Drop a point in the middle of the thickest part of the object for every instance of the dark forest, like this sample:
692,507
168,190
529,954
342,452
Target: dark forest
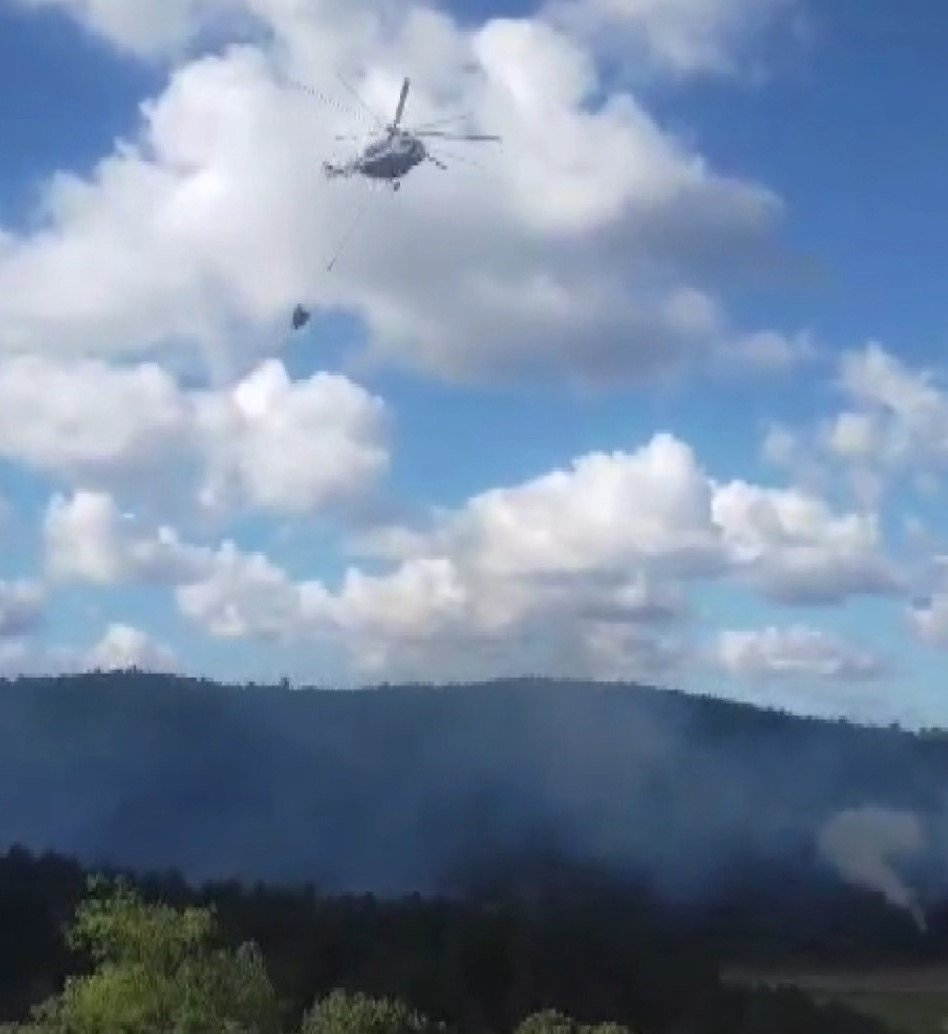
481,853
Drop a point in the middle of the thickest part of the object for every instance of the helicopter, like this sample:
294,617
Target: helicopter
397,150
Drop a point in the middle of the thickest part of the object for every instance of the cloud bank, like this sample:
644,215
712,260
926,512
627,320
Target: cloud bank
586,247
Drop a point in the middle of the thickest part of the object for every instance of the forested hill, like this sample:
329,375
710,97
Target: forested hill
411,788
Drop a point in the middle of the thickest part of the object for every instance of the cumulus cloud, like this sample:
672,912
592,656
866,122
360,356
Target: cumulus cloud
580,567
165,28
797,652
88,539
684,37
781,446
295,446
229,592
267,442
580,571
123,647
855,436
768,352
795,549
89,419
677,36
902,417
238,596
607,511
585,249
894,422
146,27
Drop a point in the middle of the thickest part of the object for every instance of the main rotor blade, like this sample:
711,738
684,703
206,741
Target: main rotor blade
458,158
436,161
375,118
457,136
401,103
439,122
323,98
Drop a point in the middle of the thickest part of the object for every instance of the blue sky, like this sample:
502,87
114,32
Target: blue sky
536,414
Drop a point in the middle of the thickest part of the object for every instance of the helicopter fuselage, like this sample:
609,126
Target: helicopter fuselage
387,159
393,157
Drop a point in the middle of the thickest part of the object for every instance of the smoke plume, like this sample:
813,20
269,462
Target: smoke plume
862,842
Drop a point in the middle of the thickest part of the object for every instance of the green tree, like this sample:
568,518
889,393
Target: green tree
157,970
345,1012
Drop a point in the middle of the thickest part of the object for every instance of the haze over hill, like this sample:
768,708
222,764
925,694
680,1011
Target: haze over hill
415,789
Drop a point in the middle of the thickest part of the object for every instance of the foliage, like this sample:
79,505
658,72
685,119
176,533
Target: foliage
163,959
157,970
344,1012
549,1021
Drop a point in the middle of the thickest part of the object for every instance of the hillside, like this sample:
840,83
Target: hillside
410,788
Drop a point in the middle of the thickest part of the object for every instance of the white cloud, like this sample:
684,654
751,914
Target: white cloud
83,539
768,352
795,549
21,608
88,540
623,652
240,595
781,446
903,415
300,447
146,27
683,37
608,511
165,28
891,432
123,647
876,377
677,36
593,554
231,593
856,437
796,652
584,248
267,442
88,419
437,616
478,592
793,453
582,571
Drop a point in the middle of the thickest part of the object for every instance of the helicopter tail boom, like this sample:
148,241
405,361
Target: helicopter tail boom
331,171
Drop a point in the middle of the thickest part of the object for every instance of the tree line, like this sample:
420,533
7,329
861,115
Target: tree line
154,956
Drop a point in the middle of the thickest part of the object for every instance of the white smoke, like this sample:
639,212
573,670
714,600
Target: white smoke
862,843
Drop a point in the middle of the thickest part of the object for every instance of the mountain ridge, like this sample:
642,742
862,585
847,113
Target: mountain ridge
397,788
